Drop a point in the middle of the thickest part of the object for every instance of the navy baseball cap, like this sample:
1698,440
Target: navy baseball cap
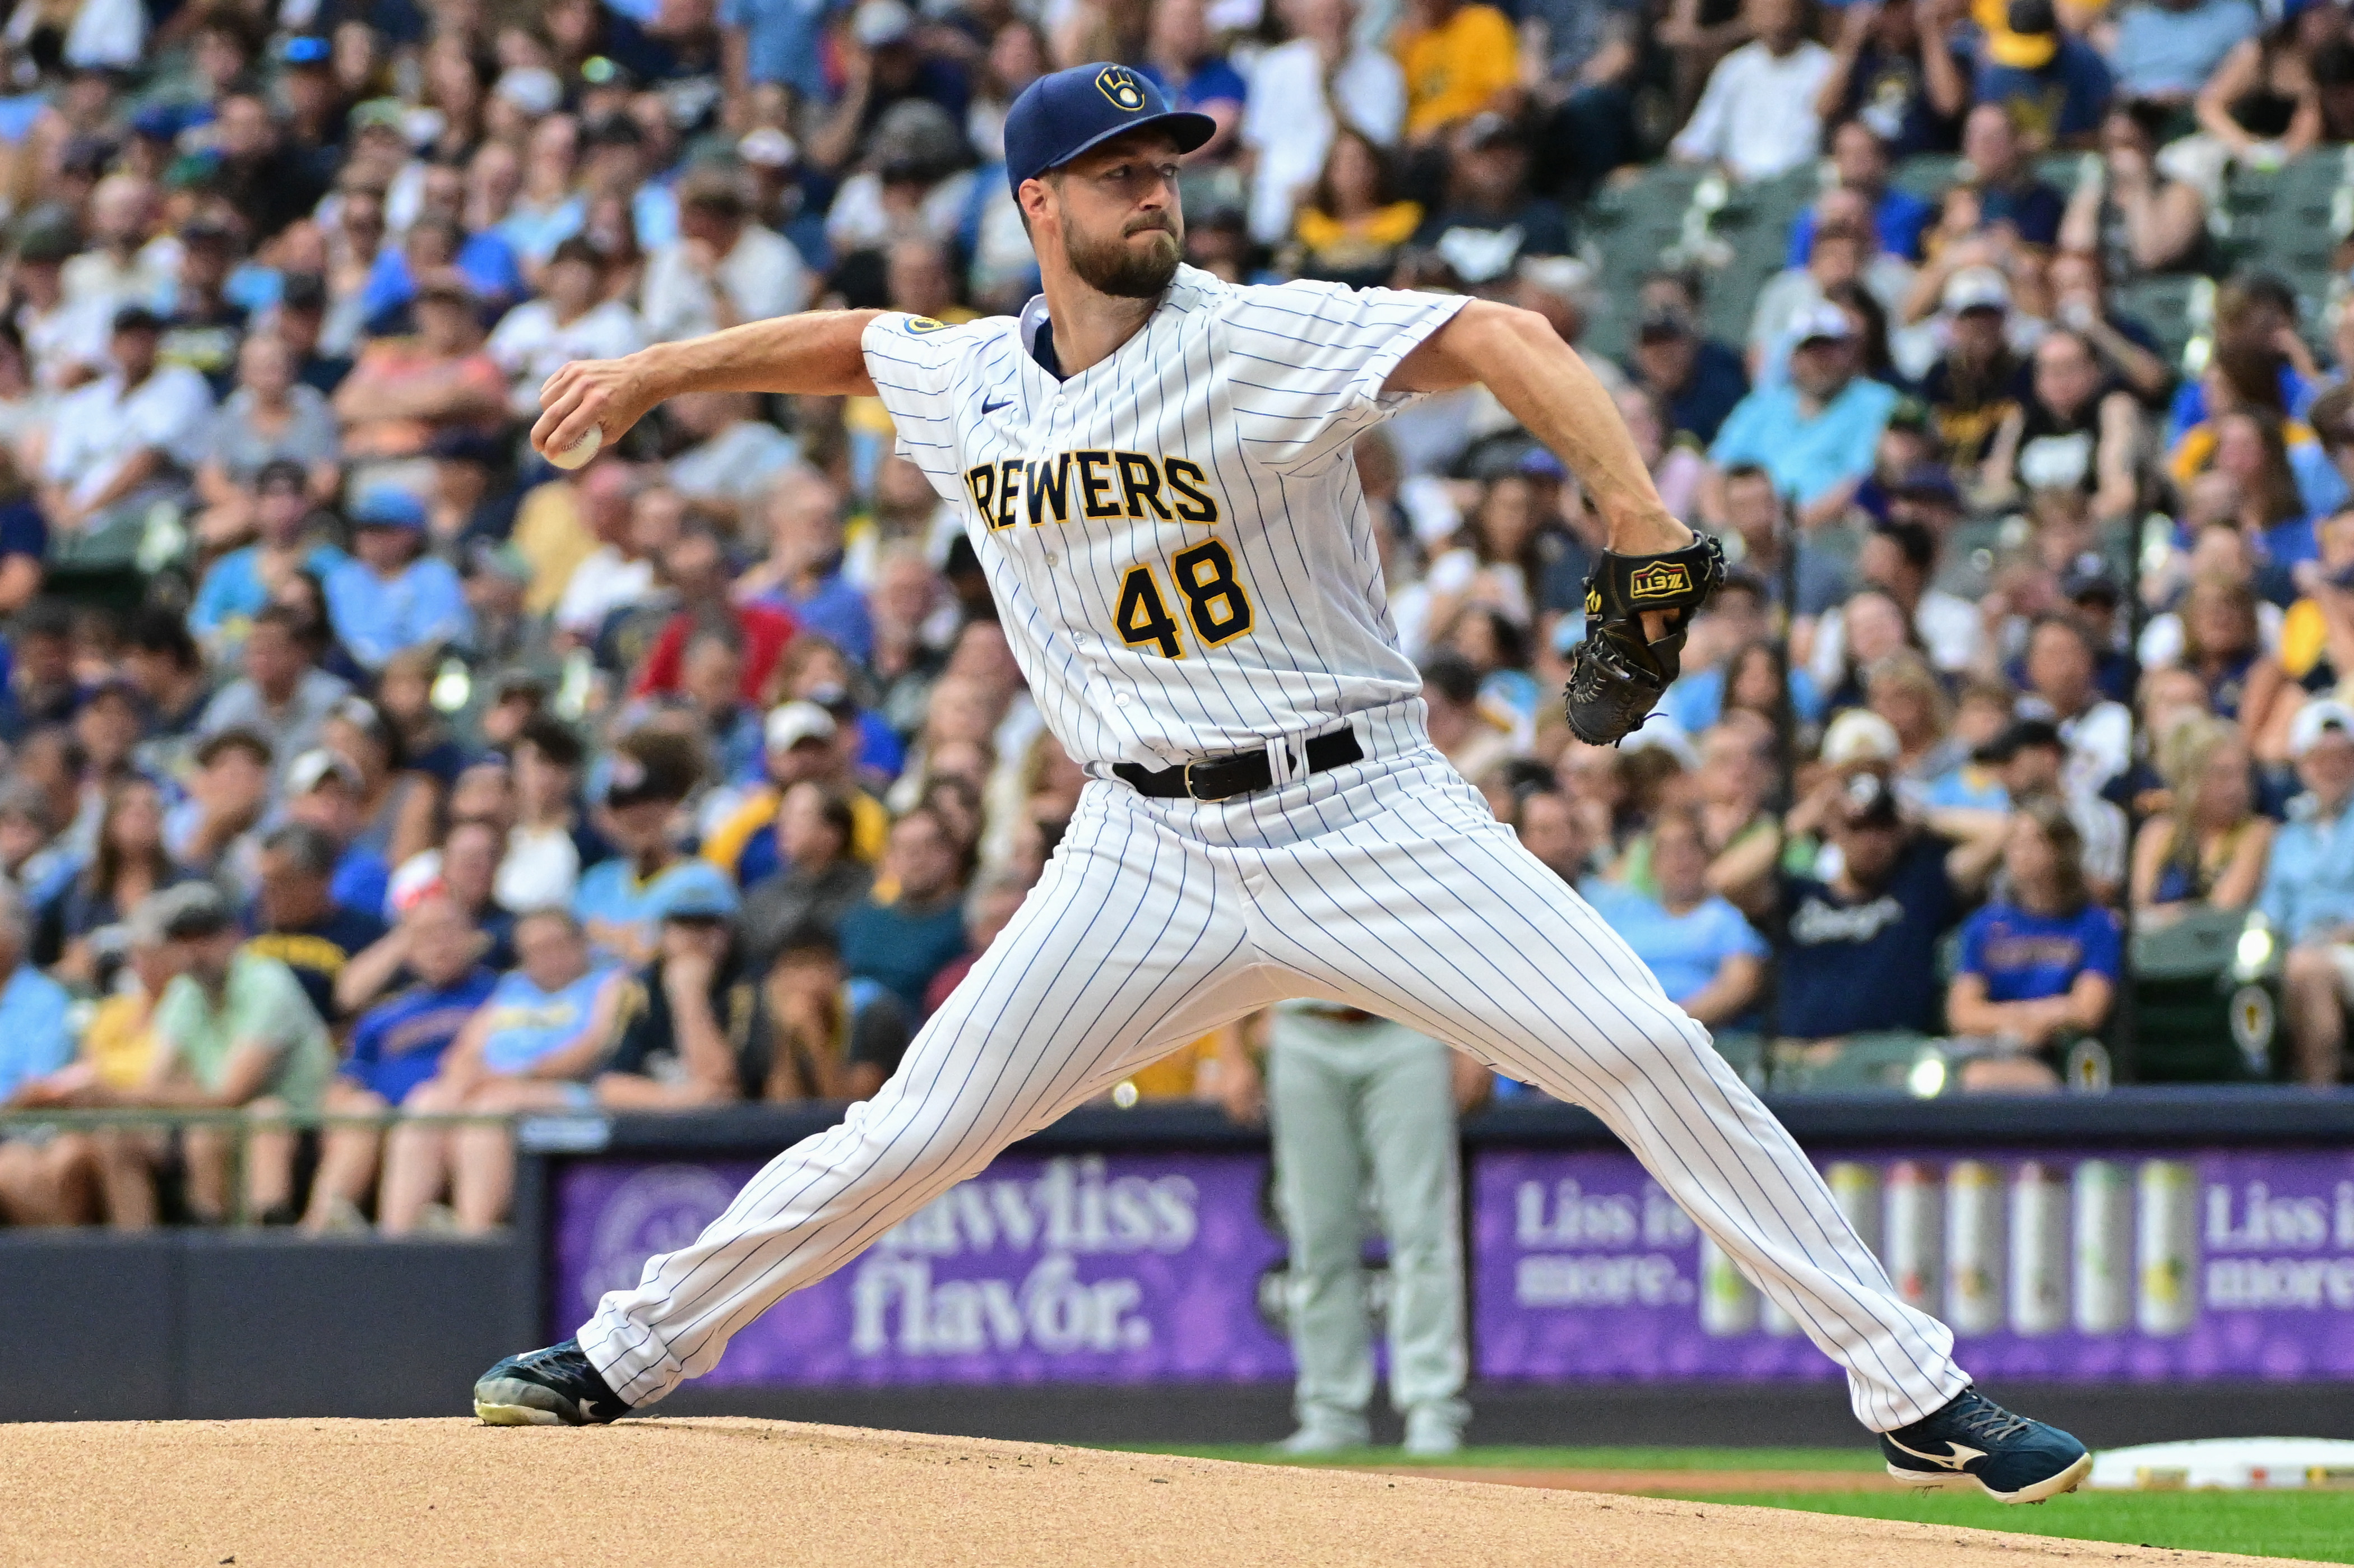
1058,117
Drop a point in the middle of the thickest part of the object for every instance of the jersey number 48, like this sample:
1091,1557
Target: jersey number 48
1214,602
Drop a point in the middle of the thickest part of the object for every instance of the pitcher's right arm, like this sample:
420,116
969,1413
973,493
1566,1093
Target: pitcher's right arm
816,352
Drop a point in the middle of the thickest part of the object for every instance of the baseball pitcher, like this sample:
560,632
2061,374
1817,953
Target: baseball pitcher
1155,469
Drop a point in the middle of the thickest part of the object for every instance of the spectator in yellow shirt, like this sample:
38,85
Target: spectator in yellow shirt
1458,59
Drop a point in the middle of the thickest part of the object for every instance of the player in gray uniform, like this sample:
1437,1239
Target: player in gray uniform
1354,1101
1154,469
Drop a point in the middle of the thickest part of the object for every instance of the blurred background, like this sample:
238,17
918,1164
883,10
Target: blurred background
432,882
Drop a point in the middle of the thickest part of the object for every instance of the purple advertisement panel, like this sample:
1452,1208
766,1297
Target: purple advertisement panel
1086,1268
2137,1267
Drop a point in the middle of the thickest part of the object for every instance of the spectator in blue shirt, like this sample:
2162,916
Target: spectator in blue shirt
2054,87
804,572
2308,892
532,1046
396,1048
2040,962
1696,379
2165,49
392,595
902,944
1815,434
1898,216
2007,194
783,41
44,1181
1181,59
24,546
238,584
1708,959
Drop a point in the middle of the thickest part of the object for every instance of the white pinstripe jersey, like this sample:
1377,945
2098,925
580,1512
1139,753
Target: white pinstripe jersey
1175,537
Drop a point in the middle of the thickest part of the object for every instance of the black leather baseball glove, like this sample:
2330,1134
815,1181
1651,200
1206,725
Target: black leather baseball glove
1616,674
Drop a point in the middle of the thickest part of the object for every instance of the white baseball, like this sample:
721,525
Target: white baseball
579,452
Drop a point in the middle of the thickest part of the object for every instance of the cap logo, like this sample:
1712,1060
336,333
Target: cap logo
1119,84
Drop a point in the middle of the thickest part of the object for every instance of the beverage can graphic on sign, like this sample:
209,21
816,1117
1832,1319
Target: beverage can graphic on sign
1134,1268
2166,1246
1855,1187
2039,1250
2101,1240
2116,1265
1973,1248
1916,1228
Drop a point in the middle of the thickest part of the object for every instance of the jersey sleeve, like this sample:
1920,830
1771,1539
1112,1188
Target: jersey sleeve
916,364
1307,363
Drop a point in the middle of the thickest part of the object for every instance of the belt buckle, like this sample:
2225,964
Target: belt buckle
1193,794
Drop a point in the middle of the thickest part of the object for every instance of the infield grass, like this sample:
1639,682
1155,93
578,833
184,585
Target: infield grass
2315,1525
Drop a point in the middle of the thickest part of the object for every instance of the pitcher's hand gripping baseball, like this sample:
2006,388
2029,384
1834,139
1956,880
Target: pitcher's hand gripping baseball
1616,674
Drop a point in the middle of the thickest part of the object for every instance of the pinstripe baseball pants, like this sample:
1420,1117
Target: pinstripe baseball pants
1385,885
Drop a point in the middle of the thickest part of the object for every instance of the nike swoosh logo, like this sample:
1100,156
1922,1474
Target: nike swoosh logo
1961,1455
993,408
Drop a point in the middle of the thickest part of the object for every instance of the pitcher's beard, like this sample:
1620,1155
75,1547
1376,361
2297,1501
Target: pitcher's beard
1111,268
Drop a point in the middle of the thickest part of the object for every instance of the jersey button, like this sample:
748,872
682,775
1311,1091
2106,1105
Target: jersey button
1119,699
1052,558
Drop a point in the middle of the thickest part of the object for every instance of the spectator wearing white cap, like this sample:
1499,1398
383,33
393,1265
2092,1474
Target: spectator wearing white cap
1979,380
322,792
1817,433
1843,248
2308,891
800,749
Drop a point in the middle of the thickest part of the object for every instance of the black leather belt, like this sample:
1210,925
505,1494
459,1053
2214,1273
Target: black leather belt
1245,773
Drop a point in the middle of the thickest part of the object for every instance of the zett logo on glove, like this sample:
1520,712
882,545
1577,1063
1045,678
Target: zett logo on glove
1661,579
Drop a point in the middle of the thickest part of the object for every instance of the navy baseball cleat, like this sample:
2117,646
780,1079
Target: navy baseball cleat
2014,1459
547,1388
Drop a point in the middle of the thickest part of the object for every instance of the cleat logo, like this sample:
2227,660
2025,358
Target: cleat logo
1119,84
1661,579
1958,1459
587,1406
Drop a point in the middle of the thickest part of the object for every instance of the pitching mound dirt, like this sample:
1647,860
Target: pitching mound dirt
259,1493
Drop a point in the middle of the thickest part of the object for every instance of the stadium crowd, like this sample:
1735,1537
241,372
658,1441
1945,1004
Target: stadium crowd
359,762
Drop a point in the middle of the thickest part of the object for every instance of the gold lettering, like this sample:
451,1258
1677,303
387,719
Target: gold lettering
1095,489
1186,478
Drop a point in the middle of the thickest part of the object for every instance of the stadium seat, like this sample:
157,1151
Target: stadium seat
2206,1000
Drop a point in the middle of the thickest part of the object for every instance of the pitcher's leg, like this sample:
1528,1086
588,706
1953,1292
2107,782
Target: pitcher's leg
1320,1180
1125,948
1430,912
1409,1121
